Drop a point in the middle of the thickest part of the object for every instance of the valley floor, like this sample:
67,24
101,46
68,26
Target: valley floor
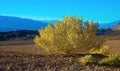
29,47
24,56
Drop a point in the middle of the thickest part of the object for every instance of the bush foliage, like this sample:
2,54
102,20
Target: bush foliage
112,60
105,50
70,36
88,59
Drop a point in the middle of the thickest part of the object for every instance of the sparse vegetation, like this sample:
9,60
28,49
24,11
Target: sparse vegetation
87,59
71,36
112,60
55,62
105,50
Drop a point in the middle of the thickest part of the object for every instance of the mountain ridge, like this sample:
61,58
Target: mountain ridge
109,24
11,23
8,23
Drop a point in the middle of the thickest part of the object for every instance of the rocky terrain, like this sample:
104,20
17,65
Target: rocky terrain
54,62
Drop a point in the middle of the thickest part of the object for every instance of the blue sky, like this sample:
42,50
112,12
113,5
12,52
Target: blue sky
99,10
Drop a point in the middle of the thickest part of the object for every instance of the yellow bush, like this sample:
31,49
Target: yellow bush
112,60
88,59
70,36
105,50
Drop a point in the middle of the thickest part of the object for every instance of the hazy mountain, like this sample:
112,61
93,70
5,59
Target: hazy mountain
8,23
49,21
109,24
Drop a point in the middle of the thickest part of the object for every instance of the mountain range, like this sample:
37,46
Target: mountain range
109,24
9,23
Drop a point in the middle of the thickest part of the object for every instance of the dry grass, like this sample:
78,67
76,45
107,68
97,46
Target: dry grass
111,37
115,46
29,47
21,47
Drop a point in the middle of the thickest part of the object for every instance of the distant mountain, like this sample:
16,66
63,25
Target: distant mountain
49,21
117,27
109,25
8,23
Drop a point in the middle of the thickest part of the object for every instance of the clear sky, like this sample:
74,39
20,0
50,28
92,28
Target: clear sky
99,10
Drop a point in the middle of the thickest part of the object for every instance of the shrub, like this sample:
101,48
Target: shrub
105,50
112,60
70,36
87,59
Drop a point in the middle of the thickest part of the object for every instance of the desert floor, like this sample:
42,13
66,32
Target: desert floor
29,47
24,56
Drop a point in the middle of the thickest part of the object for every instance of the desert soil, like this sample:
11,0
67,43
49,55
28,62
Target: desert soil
29,47
56,62
24,56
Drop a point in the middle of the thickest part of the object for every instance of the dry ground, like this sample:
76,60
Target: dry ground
56,62
29,47
20,47
24,56
115,46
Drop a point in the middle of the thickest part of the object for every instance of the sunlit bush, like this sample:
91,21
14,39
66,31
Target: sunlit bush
113,60
105,50
70,36
87,59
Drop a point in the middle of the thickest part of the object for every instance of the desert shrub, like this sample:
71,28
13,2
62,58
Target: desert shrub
105,50
112,60
87,59
70,36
